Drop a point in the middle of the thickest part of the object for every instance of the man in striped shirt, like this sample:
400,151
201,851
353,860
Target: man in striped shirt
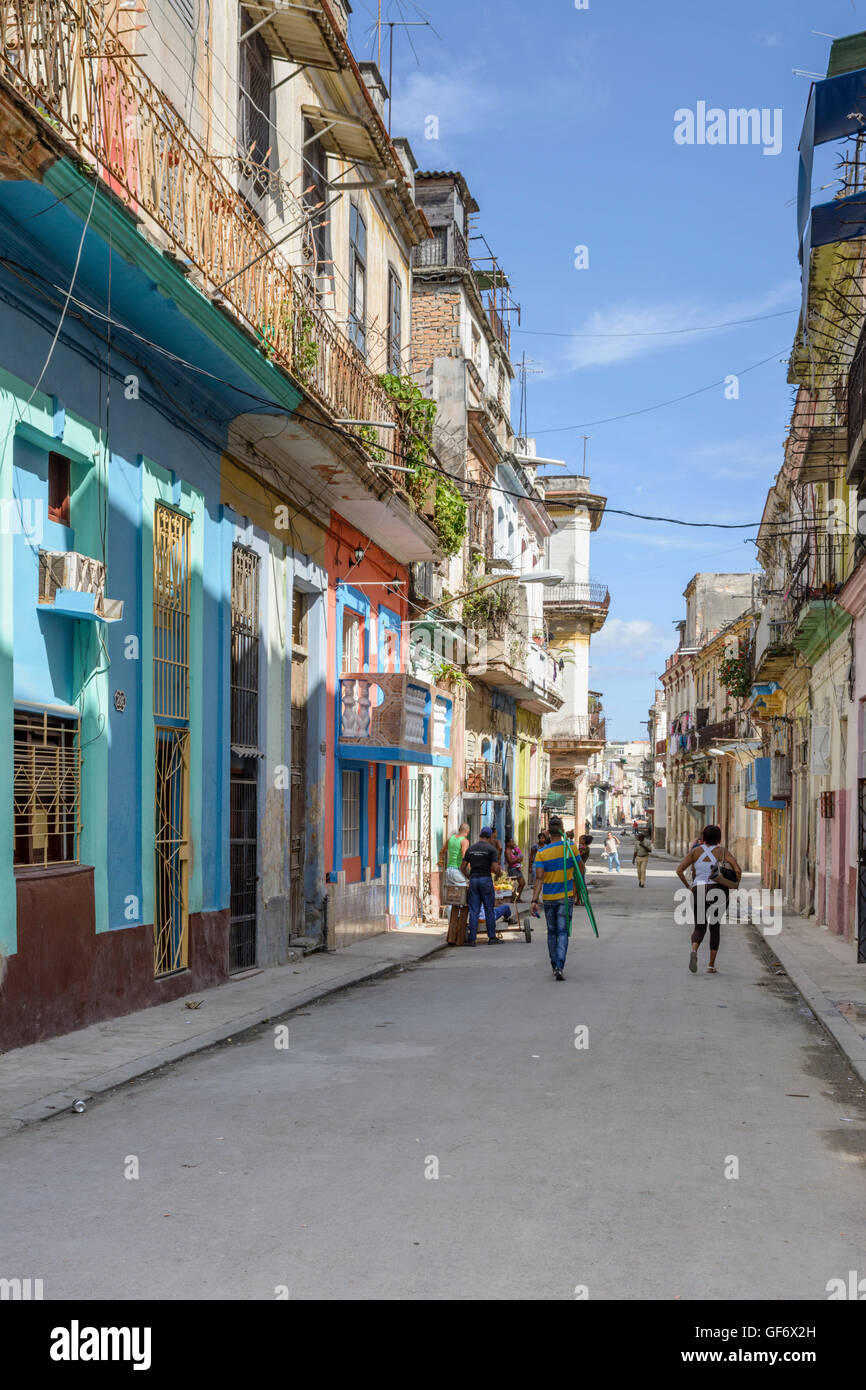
556,886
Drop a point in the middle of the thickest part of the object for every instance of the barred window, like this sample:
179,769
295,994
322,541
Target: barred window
351,814
46,789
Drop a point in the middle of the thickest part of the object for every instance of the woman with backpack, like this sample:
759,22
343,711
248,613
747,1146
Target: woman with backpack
715,873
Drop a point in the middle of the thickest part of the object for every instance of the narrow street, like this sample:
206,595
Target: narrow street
558,1166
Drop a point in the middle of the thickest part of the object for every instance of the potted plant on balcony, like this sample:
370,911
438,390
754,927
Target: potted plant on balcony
446,673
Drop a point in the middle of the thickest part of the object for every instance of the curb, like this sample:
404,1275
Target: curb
103,1082
849,1043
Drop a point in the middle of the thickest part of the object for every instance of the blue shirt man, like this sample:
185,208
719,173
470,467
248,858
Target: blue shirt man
556,886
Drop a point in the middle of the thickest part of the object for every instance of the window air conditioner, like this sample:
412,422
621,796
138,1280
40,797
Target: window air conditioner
67,570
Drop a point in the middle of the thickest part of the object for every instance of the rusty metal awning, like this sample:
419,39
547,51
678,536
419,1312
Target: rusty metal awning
295,32
341,135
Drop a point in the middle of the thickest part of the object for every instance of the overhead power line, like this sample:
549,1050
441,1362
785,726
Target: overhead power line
26,273
655,332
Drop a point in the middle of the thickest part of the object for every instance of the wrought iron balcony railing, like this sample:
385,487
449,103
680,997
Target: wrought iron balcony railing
482,776
447,247
593,594
74,71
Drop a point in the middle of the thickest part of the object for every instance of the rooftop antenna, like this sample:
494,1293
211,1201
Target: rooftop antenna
527,366
585,438
392,24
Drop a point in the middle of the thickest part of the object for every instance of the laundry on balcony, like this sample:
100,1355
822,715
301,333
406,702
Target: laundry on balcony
392,717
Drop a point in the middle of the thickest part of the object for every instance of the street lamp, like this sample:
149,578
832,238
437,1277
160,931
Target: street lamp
550,578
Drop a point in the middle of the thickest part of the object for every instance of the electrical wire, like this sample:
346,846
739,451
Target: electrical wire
674,400
25,271
657,332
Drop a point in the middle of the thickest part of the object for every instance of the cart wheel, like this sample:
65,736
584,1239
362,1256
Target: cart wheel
527,930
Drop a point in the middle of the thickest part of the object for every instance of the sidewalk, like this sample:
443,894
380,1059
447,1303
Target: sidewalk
45,1078
824,968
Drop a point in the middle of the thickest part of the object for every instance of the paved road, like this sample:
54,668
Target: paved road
558,1167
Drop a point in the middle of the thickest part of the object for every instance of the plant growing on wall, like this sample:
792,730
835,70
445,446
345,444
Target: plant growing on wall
370,439
306,348
735,676
449,516
417,415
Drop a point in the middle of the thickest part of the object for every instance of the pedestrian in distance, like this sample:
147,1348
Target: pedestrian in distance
514,861
480,863
556,887
542,840
715,872
642,852
611,849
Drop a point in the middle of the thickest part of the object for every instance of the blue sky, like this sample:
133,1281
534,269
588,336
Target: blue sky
562,121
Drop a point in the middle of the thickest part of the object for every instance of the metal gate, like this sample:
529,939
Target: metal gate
171,845
243,849
404,858
171,647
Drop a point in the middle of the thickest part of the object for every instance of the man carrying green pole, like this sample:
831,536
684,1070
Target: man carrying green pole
557,883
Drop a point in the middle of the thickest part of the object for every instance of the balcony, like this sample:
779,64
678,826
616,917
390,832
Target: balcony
83,86
857,410
521,669
425,583
392,717
483,778
712,733
774,649
589,600
445,249
579,731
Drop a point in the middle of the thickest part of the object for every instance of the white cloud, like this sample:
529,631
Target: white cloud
749,457
629,331
638,637
459,98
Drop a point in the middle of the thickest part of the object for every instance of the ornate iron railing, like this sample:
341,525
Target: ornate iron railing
567,595
482,776
73,69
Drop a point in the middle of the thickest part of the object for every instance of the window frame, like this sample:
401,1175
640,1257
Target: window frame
395,322
30,719
59,488
357,321
350,825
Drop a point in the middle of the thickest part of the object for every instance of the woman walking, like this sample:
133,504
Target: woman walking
611,849
514,861
709,891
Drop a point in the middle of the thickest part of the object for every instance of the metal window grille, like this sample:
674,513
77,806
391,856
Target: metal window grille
244,873
351,814
46,786
171,850
254,90
245,648
171,602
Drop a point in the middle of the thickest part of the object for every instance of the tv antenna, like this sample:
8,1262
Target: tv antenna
527,366
391,25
